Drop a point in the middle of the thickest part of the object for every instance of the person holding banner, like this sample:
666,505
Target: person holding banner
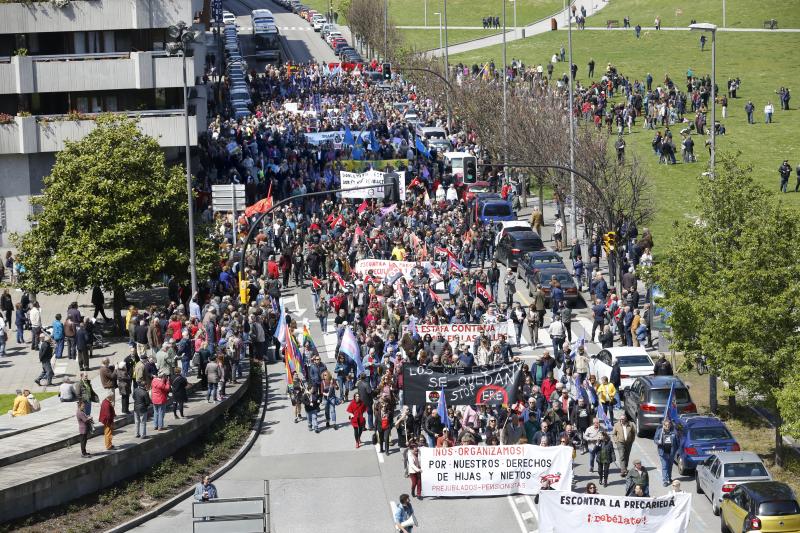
414,469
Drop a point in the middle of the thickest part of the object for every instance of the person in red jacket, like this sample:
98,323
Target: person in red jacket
159,390
272,268
106,418
357,408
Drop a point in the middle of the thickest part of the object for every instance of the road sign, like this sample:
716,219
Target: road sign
222,197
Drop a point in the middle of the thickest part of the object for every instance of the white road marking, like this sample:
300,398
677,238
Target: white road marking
527,515
520,521
533,508
379,454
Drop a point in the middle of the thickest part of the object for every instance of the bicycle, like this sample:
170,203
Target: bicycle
700,364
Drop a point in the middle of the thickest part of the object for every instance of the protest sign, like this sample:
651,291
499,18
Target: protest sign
458,333
494,470
495,384
372,178
336,137
382,267
568,512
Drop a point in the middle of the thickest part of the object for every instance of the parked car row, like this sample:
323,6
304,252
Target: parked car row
238,88
328,30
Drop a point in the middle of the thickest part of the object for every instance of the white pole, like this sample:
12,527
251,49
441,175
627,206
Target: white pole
515,18
440,31
505,96
426,13
723,14
446,54
713,99
574,220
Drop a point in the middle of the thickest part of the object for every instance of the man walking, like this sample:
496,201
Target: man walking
623,436
749,108
665,440
35,316
785,171
45,354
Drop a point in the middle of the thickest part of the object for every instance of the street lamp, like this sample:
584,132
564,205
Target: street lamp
574,220
446,53
426,14
515,17
440,30
505,96
181,39
708,27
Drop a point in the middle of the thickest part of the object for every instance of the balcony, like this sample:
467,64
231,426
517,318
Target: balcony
96,72
86,15
27,135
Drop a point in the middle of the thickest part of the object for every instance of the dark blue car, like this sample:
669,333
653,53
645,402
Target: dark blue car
699,437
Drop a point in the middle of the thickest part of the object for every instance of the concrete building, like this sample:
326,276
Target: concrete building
62,61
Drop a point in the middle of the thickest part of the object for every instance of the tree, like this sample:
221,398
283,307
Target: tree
112,214
730,282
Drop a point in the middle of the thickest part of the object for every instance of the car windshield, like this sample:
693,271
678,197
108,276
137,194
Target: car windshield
496,210
635,360
745,470
709,434
659,396
778,508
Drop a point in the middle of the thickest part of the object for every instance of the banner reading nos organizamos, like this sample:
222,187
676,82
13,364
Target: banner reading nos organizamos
494,385
568,512
494,470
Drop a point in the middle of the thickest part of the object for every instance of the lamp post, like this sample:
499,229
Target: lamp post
712,28
515,17
182,37
440,29
446,54
574,221
426,14
385,28
505,96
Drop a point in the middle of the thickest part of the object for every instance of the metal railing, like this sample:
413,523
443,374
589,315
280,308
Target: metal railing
85,57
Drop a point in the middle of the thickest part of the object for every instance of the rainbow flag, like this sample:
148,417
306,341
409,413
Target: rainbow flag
307,339
292,357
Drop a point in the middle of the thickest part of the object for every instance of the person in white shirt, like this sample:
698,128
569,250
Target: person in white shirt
556,332
768,111
66,393
35,316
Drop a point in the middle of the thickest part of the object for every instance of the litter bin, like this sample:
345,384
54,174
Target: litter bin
553,24
523,33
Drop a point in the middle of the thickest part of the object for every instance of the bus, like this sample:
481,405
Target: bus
263,20
265,34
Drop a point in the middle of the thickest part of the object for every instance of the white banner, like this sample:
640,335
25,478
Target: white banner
336,137
568,512
494,470
365,179
382,267
458,333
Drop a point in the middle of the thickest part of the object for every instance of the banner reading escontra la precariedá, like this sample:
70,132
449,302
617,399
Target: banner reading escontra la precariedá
496,384
494,470
458,333
568,512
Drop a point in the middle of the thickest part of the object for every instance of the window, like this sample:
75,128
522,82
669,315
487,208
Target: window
604,357
496,210
659,396
635,360
745,470
709,434
778,508
529,244
715,467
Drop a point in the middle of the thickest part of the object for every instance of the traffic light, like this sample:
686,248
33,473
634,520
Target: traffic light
609,241
391,188
471,171
387,72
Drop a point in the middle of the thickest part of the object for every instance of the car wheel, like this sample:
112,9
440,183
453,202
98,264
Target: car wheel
723,527
682,467
639,431
699,489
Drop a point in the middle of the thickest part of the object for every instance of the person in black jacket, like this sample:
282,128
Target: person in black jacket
662,367
141,402
493,279
179,396
82,346
607,337
45,354
616,379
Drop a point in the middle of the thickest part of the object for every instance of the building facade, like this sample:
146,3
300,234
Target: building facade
62,62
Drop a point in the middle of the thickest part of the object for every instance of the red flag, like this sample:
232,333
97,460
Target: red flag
436,297
338,220
482,293
415,182
261,206
338,279
445,251
316,282
363,207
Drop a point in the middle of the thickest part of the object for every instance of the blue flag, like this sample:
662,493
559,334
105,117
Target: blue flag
671,410
368,112
421,148
350,348
373,142
348,136
280,329
442,410
601,414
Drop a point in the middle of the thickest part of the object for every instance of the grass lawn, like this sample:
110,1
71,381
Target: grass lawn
763,61
459,12
423,40
7,400
739,13
751,431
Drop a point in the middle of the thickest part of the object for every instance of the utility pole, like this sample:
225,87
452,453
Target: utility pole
446,55
574,221
505,97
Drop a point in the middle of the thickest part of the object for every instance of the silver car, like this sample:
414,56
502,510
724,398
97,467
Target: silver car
720,473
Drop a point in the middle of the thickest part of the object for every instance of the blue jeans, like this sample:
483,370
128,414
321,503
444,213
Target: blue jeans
493,287
342,381
47,372
141,424
666,458
212,392
330,409
370,419
185,367
323,323
2,347
20,332
429,440
593,451
59,348
313,419
158,415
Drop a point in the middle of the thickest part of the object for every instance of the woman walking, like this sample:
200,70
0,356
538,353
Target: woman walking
329,388
179,396
84,427
19,322
357,408
159,391
414,470
383,416
213,371
605,456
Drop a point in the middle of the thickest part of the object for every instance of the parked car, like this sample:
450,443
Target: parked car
768,506
700,437
545,275
720,473
512,246
534,261
633,362
646,401
510,226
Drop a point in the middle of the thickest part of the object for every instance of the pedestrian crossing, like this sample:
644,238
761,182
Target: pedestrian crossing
248,30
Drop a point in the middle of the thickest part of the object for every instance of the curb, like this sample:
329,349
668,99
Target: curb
233,461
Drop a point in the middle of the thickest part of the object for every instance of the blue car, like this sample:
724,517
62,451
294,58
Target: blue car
700,437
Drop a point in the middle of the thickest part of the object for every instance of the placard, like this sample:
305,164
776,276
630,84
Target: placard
494,470
495,384
568,512
372,178
458,333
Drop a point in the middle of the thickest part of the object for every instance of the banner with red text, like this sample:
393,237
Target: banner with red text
568,512
461,333
494,470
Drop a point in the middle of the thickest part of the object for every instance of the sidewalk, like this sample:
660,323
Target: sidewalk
539,27
719,29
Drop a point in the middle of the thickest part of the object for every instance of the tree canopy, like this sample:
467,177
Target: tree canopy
112,213
731,282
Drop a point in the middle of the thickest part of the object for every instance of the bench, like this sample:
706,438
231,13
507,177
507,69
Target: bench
771,24
612,24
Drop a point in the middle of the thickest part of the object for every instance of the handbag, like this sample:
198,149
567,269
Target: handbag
411,521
